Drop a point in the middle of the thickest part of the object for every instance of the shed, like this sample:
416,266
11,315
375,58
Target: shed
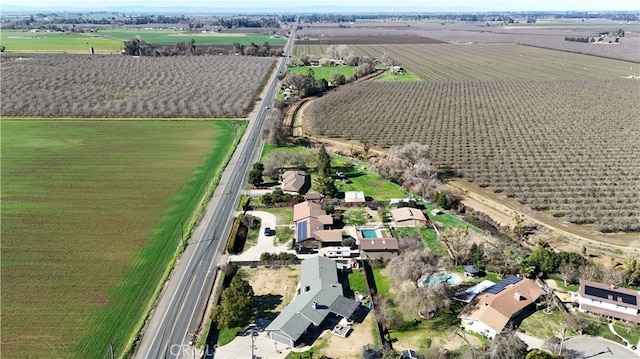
354,197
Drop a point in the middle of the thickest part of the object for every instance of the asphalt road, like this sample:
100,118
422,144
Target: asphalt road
594,347
180,309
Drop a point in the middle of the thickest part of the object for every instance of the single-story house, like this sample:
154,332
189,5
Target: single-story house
313,226
295,181
314,197
320,296
408,217
609,300
506,302
374,248
354,197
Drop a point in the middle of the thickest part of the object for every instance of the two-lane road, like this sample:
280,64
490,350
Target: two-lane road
180,308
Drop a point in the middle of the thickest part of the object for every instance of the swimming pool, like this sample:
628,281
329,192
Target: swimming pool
442,277
369,233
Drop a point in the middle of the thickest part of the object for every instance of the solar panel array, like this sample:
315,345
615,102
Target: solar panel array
499,287
302,230
605,293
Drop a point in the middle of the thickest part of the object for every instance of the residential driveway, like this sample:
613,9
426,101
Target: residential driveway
595,347
263,346
265,243
532,342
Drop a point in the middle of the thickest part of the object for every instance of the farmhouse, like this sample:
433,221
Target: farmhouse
609,300
508,301
295,181
408,217
320,298
374,248
313,226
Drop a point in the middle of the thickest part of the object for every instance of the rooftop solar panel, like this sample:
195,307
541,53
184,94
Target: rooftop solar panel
606,293
499,287
302,231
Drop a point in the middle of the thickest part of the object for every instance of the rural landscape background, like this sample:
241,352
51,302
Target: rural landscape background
117,126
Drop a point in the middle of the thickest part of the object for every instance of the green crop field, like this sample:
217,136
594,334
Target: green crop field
110,41
170,37
25,41
324,72
91,217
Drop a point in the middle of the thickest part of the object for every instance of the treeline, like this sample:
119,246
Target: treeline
505,16
254,49
246,22
138,47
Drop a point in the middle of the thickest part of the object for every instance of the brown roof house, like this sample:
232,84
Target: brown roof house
295,181
378,248
313,226
609,300
408,217
506,302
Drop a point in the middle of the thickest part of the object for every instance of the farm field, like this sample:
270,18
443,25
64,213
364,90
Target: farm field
312,50
110,41
546,138
63,85
25,41
323,72
91,217
497,62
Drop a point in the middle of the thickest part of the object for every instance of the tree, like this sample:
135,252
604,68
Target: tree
518,228
567,272
236,305
255,175
544,259
590,272
326,186
506,346
349,242
456,240
192,47
541,354
476,255
323,163
275,130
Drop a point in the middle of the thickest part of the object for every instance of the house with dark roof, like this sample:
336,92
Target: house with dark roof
609,300
378,248
507,302
320,297
408,217
295,181
313,226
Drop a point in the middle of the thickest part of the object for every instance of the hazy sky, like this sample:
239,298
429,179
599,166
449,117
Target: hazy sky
365,5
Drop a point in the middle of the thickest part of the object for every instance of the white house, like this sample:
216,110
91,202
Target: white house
609,300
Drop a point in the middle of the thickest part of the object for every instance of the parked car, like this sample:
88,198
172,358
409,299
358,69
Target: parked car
268,231
302,250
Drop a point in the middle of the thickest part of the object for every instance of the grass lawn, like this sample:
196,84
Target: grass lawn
323,72
227,335
252,236
357,282
355,217
91,217
431,239
630,332
439,328
544,326
270,147
382,282
363,180
311,353
408,77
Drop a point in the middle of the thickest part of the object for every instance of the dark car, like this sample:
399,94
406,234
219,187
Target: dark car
302,250
268,231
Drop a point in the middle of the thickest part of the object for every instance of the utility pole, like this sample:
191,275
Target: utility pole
111,349
564,331
252,340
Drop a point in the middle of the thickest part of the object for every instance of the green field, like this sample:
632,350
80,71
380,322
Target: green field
25,41
324,72
371,183
110,41
91,217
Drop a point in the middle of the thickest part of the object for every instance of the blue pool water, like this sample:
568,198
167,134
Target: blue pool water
444,277
369,233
